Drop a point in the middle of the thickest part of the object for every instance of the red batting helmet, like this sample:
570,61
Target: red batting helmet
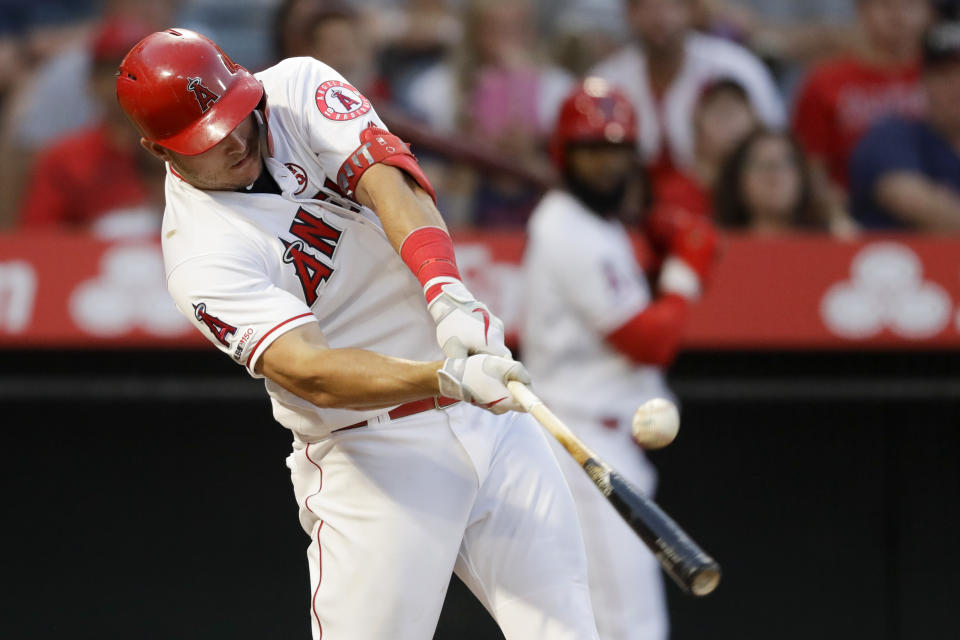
593,112
183,92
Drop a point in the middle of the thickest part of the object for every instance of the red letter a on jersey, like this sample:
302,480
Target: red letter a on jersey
218,327
310,271
315,232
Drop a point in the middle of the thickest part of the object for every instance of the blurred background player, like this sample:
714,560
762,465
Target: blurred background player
596,336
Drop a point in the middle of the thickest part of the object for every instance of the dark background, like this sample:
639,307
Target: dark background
141,501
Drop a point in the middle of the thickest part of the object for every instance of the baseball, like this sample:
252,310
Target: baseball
656,423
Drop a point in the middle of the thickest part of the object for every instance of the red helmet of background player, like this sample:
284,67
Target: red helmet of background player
183,92
593,112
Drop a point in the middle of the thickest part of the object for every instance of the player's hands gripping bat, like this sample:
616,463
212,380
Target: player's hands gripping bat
481,380
681,558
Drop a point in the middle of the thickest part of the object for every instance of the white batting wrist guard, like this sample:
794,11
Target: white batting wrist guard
676,276
482,380
465,326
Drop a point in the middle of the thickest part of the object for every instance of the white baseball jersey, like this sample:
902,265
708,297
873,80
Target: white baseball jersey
583,281
669,121
247,267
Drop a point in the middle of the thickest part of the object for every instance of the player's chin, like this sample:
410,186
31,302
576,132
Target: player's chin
247,170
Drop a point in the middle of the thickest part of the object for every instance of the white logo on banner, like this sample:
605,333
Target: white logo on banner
886,290
130,292
18,290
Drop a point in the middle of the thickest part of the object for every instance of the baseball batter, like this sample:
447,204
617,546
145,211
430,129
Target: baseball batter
301,238
596,338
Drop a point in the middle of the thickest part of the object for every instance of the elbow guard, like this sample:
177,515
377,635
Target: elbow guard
653,335
379,145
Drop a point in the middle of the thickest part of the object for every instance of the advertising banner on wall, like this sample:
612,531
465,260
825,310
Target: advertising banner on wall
796,292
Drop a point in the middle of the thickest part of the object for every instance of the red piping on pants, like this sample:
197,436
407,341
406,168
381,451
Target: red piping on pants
306,503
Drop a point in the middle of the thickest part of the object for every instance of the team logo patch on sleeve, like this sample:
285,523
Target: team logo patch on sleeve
340,102
220,329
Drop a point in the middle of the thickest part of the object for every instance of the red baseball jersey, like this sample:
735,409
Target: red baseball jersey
79,179
841,99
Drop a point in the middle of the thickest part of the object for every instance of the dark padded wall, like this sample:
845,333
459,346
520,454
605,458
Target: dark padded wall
135,509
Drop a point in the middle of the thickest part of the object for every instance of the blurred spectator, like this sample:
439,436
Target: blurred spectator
585,32
905,173
764,186
291,37
412,36
843,97
240,26
13,59
37,78
98,178
783,31
58,98
722,119
499,92
54,95
333,32
664,72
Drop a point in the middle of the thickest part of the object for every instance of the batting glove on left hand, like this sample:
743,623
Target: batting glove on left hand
482,380
465,326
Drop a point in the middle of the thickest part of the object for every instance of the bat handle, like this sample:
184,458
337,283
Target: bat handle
522,394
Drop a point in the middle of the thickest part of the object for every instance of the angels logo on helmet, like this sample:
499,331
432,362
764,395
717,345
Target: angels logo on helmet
340,101
205,97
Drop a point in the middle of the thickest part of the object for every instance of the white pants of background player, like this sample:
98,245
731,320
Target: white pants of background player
394,507
626,583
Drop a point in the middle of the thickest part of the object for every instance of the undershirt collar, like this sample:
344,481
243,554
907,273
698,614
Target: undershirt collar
263,184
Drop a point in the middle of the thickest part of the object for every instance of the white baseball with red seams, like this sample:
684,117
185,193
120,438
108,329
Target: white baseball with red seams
655,423
394,506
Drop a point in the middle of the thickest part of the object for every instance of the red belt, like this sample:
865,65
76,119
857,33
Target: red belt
408,409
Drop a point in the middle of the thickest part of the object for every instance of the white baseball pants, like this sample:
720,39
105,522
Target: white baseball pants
392,508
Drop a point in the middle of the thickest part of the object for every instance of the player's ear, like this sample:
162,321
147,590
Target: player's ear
155,149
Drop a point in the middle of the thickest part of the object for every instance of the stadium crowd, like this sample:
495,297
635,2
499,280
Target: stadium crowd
770,116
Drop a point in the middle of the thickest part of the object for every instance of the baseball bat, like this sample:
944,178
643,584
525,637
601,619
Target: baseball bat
682,559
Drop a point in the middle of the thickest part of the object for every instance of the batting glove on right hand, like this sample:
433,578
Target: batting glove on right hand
482,380
465,326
